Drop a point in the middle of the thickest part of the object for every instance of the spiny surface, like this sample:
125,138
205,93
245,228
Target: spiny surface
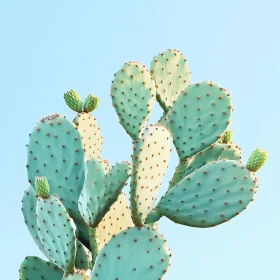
28,209
55,150
90,134
34,268
133,94
198,118
150,159
215,152
135,253
212,195
57,232
101,191
116,219
171,74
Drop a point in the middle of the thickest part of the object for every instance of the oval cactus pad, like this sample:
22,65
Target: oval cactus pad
133,94
55,151
57,232
212,195
198,118
150,159
135,253
171,74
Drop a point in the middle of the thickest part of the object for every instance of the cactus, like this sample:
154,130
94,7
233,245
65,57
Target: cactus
76,210
256,160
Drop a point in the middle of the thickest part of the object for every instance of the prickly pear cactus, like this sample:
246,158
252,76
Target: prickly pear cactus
76,208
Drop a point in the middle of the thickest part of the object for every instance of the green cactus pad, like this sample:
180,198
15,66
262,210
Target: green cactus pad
28,209
34,268
171,74
150,159
42,187
198,118
212,195
55,150
77,275
256,160
83,257
90,134
73,101
101,191
133,94
91,103
215,152
116,219
135,253
227,137
57,232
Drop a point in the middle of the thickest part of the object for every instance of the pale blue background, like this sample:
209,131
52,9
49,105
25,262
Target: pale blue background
48,47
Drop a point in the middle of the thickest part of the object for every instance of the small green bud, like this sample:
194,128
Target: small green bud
226,138
256,159
91,103
73,101
42,187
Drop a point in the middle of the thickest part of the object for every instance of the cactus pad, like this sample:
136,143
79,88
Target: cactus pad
198,118
134,253
34,268
28,209
116,219
101,191
212,195
256,160
171,74
150,160
91,103
90,133
215,152
133,94
57,232
55,150
73,101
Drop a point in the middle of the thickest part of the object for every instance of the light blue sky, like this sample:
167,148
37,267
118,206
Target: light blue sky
49,47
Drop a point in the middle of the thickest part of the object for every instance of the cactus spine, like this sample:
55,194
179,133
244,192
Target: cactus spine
76,210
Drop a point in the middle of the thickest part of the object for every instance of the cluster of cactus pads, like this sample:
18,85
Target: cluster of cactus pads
75,207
